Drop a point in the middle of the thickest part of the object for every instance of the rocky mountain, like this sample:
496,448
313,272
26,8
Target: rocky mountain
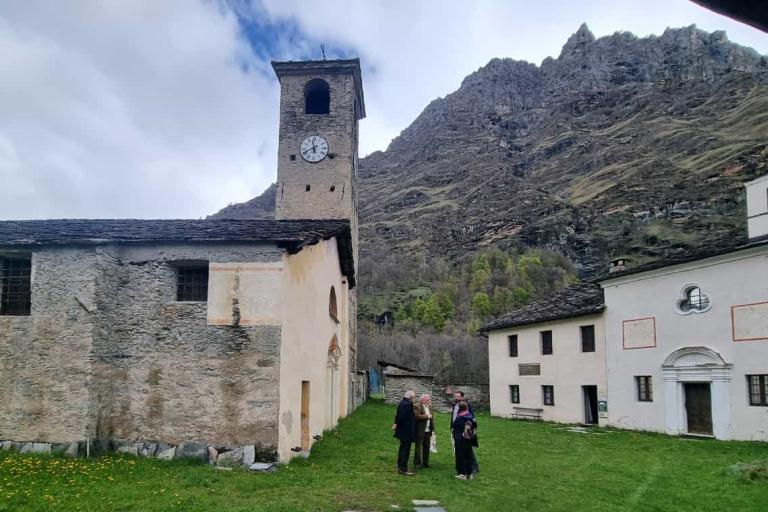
260,207
620,146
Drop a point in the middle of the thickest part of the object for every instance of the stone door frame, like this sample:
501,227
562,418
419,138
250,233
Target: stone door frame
691,365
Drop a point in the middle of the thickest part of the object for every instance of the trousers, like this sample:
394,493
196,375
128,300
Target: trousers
421,451
402,455
464,457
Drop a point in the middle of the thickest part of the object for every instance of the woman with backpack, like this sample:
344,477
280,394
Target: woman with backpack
464,430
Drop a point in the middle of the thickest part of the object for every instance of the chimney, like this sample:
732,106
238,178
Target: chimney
617,265
757,208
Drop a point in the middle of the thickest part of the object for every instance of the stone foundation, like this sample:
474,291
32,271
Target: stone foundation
227,457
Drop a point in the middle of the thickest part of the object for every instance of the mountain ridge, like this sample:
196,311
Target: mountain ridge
619,146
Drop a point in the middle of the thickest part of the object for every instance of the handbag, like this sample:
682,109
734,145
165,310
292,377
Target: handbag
433,444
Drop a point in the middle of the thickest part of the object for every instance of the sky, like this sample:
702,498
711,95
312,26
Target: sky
169,109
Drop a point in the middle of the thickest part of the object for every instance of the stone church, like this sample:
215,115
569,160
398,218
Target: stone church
195,337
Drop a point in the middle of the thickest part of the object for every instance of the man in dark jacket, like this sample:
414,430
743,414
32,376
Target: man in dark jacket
405,431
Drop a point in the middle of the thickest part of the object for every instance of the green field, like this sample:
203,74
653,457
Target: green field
524,466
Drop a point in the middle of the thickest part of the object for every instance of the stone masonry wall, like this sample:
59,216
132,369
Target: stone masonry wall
45,358
108,353
339,128
395,386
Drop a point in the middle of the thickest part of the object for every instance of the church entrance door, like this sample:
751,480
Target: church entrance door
698,408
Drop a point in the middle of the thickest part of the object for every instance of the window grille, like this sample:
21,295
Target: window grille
644,388
192,284
512,340
514,394
548,393
546,342
15,286
757,386
694,301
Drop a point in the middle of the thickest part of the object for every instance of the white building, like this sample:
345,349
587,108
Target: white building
686,342
547,360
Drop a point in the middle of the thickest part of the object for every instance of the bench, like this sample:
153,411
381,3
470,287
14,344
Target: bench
527,413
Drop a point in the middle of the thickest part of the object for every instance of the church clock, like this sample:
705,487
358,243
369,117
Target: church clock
314,148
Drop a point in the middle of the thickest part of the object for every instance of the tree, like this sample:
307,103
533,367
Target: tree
481,305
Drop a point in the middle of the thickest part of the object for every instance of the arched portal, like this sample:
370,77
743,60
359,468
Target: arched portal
696,392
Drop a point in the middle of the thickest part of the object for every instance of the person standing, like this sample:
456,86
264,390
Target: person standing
424,430
405,430
458,397
464,431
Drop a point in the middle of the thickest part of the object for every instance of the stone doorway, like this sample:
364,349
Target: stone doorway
696,393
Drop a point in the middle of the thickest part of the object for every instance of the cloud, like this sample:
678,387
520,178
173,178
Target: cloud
414,51
137,109
170,109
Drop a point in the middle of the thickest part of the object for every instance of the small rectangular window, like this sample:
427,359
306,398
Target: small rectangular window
757,385
529,369
512,340
15,286
644,385
192,283
514,394
546,342
548,395
587,338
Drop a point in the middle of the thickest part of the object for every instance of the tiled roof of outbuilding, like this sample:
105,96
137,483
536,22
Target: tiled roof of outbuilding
579,299
290,234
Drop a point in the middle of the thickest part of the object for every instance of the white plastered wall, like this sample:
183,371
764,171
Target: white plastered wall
730,280
567,368
307,332
757,207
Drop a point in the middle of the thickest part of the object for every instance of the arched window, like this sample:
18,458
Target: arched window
694,300
333,309
317,97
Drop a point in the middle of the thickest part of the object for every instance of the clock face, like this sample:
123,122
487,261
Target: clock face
314,148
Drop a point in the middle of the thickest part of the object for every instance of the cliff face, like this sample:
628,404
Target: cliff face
620,146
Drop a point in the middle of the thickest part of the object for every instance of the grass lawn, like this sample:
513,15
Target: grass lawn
524,466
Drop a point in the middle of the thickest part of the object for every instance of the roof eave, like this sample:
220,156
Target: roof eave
489,328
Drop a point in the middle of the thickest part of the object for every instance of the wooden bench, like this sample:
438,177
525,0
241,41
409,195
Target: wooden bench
527,413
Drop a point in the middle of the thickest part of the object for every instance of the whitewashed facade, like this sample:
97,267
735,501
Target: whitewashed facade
710,352
577,376
685,344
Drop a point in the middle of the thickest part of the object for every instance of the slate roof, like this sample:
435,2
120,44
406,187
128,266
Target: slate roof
709,251
579,299
289,234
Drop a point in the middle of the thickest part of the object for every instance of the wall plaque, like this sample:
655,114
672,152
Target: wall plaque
639,333
749,322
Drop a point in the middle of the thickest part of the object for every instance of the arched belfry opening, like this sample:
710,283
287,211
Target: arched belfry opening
317,97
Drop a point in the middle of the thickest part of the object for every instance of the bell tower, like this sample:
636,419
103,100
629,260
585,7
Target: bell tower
321,103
